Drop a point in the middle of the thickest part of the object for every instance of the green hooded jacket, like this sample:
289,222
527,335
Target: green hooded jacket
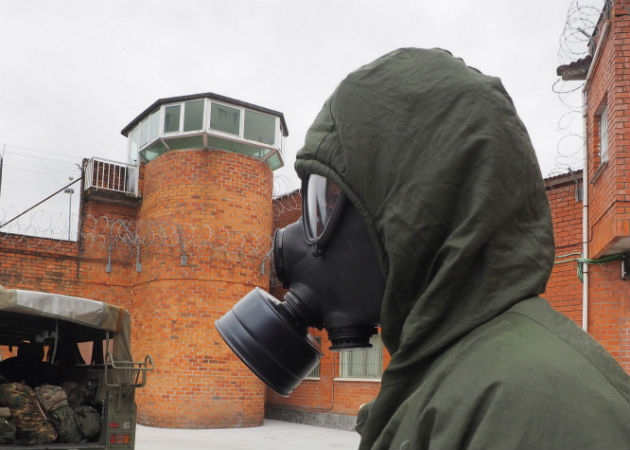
435,158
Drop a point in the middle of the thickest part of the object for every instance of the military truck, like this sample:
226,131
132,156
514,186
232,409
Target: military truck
86,372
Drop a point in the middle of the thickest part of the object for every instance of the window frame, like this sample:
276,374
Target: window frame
203,116
206,130
602,128
318,339
347,377
241,125
181,120
134,137
224,134
275,125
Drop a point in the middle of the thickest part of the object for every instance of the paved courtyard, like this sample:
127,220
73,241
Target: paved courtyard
273,435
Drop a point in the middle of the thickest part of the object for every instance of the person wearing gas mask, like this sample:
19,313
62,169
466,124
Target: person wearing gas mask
424,212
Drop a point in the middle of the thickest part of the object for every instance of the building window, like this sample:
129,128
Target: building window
366,363
200,123
225,119
154,125
133,146
259,127
193,115
316,370
144,132
171,118
603,136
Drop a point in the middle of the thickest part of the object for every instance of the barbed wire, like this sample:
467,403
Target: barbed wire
575,42
59,225
287,203
106,237
283,184
582,17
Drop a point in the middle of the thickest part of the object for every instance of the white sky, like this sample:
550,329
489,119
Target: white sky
74,73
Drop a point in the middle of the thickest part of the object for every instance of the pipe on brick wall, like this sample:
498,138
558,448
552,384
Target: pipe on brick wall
585,218
585,179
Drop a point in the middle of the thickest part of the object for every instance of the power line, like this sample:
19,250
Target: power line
40,202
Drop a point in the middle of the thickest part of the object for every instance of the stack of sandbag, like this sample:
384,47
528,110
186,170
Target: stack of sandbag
32,425
55,403
88,420
7,429
80,395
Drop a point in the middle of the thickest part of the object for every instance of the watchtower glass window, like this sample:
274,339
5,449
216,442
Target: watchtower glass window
207,121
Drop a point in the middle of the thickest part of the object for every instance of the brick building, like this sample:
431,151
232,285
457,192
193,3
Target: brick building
605,72
176,236
183,230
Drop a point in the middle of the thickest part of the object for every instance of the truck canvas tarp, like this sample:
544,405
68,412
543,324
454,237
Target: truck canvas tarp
73,369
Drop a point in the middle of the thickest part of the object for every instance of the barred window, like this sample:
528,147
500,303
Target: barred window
367,363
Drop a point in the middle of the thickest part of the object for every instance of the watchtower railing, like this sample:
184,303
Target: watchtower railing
111,176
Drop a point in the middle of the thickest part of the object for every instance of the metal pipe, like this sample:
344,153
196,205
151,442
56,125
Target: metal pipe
585,217
69,191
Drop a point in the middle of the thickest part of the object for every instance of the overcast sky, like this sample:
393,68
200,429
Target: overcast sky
74,73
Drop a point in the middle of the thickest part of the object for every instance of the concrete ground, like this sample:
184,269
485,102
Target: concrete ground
273,435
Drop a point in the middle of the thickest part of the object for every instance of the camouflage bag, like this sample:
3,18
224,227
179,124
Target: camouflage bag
67,429
51,397
54,401
7,431
81,393
89,421
30,421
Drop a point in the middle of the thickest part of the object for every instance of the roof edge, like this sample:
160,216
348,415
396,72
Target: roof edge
562,179
211,95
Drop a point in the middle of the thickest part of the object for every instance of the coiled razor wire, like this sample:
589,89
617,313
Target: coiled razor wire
103,237
575,42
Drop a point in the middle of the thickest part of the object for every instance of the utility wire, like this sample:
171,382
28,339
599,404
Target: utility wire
40,202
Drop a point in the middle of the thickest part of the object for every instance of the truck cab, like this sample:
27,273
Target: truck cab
74,364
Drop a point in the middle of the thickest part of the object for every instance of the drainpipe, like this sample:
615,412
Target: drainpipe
585,183
585,178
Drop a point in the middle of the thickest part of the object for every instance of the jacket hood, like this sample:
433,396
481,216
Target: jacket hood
435,158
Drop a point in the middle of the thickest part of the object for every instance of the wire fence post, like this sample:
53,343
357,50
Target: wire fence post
138,263
184,257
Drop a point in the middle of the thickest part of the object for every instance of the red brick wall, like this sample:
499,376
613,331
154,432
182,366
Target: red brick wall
39,264
198,381
222,202
609,186
609,189
564,290
609,310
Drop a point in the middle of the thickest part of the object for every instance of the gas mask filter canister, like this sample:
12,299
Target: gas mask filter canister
327,261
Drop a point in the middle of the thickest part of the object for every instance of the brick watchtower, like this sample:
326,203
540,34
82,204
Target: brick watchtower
206,164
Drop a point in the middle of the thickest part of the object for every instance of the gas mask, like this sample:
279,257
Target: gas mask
328,263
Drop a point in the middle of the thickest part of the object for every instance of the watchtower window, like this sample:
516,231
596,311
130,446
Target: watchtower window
171,118
193,115
259,127
205,122
224,118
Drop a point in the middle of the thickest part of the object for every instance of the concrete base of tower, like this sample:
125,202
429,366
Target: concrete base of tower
318,418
